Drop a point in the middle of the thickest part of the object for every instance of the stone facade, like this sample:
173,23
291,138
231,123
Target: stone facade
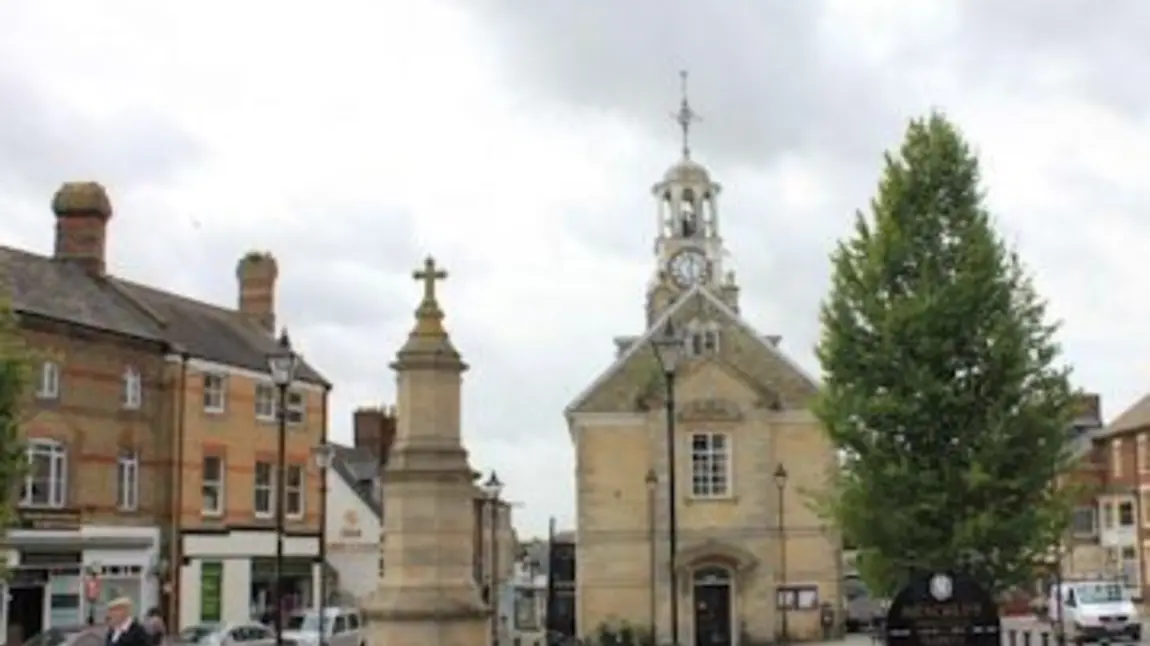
741,411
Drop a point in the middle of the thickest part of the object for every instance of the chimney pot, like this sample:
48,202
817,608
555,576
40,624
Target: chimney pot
82,212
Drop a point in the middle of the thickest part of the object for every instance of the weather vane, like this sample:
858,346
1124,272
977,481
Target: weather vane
685,116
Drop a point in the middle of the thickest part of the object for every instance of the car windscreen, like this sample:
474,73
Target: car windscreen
198,634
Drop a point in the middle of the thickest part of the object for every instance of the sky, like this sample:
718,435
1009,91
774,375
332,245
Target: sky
517,143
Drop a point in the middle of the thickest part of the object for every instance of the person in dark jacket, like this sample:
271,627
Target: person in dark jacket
154,624
123,629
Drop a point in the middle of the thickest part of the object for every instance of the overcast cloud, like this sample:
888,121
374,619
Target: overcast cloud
517,142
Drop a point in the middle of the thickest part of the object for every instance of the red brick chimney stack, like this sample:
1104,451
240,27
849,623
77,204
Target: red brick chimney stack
374,430
257,272
82,212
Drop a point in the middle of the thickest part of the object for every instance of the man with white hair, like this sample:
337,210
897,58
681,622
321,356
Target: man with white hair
123,629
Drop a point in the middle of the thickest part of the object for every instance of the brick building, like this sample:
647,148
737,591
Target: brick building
1122,510
151,436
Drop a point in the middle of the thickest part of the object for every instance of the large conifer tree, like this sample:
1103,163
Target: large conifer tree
942,383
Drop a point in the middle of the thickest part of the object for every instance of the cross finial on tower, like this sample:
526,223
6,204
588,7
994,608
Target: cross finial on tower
429,317
685,116
429,275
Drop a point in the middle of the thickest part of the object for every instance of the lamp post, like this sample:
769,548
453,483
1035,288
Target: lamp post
323,455
781,485
668,347
282,363
493,487
652,482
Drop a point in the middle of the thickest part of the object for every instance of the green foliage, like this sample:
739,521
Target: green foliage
13,382
622,634
942,383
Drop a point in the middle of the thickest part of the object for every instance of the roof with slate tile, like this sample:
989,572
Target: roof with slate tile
64,291
358,468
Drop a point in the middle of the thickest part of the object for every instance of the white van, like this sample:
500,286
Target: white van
1095,611
341,627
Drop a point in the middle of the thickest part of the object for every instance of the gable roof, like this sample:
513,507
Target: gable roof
1132,419
644,341
211,332
358,469
64,291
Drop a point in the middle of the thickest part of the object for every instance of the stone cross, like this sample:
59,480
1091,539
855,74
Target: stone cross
429,274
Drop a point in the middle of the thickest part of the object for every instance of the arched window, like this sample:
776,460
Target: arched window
46,482
133,389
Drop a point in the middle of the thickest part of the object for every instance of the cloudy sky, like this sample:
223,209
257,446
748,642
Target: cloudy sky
517,141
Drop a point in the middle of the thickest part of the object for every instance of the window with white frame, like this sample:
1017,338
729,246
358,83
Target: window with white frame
46,482
1126,513
48,383
1085,521
1143,453
296,407
1116,457
215,392
265,402
128,481
710,465
133,389
264,493
213,485
1129,567
293,491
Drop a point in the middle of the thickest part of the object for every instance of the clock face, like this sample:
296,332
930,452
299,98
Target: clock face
688,267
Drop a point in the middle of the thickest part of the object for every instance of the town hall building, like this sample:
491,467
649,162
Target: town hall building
754,561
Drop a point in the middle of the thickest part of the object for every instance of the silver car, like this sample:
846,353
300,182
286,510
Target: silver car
82,635
250,633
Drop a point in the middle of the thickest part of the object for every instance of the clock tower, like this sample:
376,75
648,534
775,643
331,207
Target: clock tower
688,248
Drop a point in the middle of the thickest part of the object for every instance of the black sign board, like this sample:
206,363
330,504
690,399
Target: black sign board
943,609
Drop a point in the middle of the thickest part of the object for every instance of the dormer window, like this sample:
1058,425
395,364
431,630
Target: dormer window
702,339
133,389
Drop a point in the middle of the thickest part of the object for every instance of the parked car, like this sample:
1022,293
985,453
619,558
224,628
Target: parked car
78,635
863,612
341,627
1095,611
249,633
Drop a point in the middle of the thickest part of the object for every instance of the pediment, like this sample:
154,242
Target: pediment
635,382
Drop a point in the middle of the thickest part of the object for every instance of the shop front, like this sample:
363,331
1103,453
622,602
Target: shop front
60,577
229,575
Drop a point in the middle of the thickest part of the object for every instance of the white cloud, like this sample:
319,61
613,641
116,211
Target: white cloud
519,148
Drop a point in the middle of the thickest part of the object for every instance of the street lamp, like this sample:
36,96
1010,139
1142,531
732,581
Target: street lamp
668,347
493,487
781,485
652,482
324,455
283,363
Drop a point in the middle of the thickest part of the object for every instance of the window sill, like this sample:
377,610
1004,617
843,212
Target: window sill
263,516
214,411
211,514
730,499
